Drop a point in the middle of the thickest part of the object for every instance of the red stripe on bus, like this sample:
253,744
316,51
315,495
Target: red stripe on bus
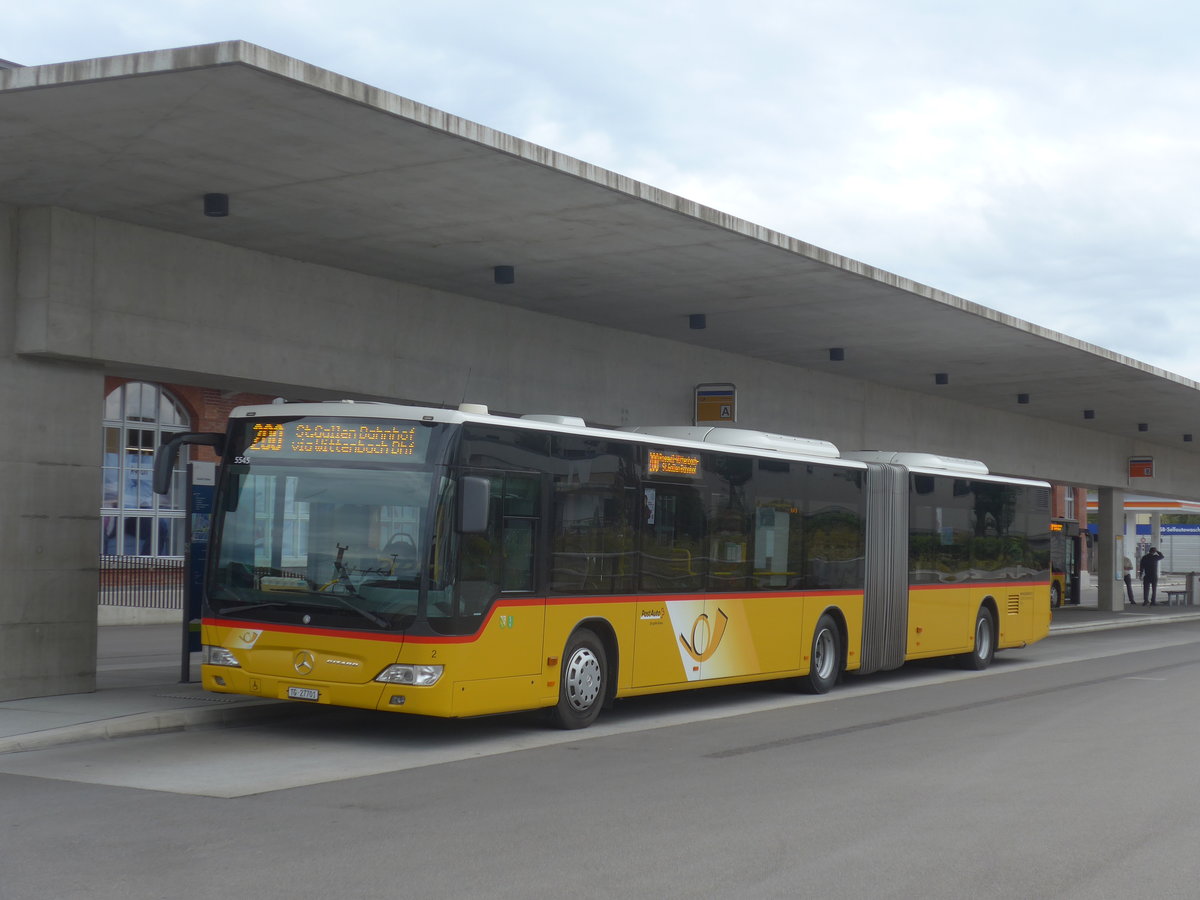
979,584
511,603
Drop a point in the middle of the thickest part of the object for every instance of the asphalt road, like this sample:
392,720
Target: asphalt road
1068,770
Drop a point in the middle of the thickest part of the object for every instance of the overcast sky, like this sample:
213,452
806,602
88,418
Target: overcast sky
1039,158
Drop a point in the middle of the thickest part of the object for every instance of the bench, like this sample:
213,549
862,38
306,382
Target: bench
1176,598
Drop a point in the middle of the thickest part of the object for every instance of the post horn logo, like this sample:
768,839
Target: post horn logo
705,637
304,662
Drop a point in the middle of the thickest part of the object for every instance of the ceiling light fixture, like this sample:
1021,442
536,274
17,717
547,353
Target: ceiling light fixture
216,206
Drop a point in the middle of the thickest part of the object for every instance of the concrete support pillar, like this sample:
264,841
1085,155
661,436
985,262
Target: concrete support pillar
1111,550
50,485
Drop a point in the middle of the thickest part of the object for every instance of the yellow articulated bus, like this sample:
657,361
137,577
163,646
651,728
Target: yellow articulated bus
457,563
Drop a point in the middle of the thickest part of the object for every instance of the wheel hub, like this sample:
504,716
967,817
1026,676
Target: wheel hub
823,654
583,679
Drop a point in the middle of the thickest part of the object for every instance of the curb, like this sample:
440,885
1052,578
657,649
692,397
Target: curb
156,722
1108,624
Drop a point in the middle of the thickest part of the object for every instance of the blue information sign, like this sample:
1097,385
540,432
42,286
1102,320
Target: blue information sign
1170,529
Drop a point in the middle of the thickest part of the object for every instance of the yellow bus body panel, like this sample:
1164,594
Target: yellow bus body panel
513,662
276,658
941,618
660,643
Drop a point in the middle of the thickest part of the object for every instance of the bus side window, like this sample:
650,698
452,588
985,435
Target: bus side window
592,525
521,504
500,557
673,539
478,578
730,489
518,555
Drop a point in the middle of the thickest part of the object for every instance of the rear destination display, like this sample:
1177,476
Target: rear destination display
661,462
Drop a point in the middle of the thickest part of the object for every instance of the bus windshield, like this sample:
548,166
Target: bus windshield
329,543
320,535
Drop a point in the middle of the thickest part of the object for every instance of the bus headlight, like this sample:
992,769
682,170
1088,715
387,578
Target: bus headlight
408,674
218,656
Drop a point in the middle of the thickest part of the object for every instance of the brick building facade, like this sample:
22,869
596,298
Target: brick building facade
137,416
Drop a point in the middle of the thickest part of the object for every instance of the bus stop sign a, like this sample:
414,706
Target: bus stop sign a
716,404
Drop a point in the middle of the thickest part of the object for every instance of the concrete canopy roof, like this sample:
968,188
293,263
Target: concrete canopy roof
326,169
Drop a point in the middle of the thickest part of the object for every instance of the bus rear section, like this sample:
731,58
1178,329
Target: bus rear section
959,561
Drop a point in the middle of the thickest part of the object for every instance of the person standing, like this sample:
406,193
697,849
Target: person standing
1129,580
1148,569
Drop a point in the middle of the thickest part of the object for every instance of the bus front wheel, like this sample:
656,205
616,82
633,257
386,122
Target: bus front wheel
985,642
583,681
825,660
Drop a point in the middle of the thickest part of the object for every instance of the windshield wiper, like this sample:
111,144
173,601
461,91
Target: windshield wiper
247,606
343,579
365,613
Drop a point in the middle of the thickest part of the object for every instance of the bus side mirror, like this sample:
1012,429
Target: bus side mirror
474,498
168,453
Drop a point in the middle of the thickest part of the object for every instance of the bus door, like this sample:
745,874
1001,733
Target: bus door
1065,562
673,570
1073,563
497,576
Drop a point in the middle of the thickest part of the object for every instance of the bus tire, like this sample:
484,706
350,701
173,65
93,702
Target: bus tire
985,642
1055,594
825,658
583,681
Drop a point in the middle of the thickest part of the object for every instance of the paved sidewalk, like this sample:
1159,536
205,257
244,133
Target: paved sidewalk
1086,615
1088,618
139,690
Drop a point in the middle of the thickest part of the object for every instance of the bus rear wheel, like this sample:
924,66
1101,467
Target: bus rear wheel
825,658
985,642
583,681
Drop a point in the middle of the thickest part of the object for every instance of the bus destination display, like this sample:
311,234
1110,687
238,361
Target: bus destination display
316,438
664,463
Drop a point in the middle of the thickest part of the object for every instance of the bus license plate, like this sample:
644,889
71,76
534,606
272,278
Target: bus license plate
295,693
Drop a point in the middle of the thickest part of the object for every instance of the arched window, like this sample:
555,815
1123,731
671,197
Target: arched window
135,521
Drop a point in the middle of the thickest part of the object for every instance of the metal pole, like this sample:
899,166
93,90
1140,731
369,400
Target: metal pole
185,648
201,478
